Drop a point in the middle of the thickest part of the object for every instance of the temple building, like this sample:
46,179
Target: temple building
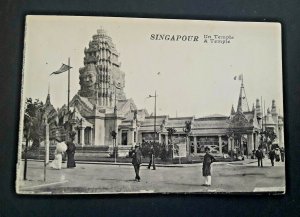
101,107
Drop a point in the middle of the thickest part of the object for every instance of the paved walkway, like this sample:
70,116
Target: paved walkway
98,178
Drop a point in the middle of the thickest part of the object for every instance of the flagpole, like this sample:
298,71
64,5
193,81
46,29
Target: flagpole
245,91
68,84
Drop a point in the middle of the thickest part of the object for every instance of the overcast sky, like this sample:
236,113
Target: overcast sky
196,78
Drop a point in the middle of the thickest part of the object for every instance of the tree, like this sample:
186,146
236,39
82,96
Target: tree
33,121
171,132
269,136
32,128
187,129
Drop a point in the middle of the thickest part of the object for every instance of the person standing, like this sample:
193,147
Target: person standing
61,147
259,155
206,170
152,158
136,161
282,154
277,154
57,162
71,151
272,156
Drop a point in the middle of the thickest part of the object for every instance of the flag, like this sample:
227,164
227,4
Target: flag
62,69
240,77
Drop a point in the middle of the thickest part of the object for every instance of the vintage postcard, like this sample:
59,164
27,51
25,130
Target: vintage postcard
131,105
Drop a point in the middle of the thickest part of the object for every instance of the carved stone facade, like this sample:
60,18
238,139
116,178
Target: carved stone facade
101,72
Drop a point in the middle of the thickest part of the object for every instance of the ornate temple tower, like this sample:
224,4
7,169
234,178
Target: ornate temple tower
101,72
258,108
274,112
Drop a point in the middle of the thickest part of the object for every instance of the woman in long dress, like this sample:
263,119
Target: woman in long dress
206,170
57,162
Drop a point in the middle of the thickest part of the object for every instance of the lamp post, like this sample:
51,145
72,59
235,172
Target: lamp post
154,115
114,132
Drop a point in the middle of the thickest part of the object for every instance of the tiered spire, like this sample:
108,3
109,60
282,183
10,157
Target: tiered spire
48,96
258,108
101,71
273,110
232,111
242,103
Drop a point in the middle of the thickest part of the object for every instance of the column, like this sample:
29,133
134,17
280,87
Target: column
120,137
166,140
195,144
282,136
91,136
99,129
188,150
131,137
159,138
229,143
220,144
257,140
76,137
250,145
82,136
139,137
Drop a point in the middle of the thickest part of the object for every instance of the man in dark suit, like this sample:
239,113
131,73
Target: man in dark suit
152,158
272,156
259,155
136,161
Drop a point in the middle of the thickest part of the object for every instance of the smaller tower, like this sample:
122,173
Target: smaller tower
274,113
242,102
232,113
258,108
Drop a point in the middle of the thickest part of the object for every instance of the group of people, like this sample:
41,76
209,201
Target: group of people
62,148
274,154
136,155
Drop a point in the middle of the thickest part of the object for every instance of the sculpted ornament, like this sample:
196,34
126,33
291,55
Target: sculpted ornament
239,120
87,80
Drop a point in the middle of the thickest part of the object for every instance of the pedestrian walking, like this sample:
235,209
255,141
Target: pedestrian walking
282,154
277,154
259,155
152,158
206,170
136,161
272,156
71,151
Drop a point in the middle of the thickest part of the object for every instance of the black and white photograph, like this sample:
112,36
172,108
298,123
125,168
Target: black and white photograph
137,105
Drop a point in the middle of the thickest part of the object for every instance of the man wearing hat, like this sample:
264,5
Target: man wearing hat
206,170
136,161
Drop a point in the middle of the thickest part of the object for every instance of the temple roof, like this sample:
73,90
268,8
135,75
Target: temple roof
141,115
213,116
178,122
149,121
126,105
85,101
213,123
212,131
